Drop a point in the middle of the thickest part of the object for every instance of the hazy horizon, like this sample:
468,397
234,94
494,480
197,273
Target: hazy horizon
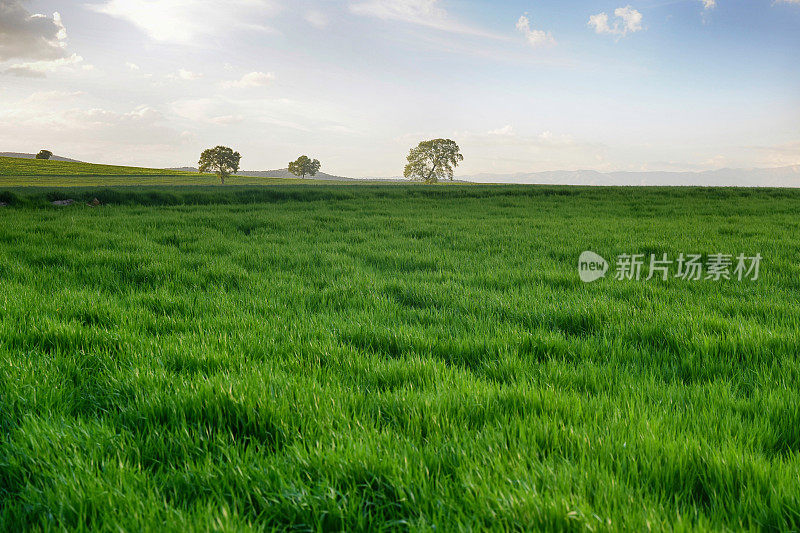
784,176
523,87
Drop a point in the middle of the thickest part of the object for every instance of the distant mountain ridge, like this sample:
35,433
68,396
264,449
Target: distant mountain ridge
727,177
33,156
788,176
282,173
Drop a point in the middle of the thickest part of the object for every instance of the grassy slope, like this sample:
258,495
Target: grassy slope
12,166
17,172
365,358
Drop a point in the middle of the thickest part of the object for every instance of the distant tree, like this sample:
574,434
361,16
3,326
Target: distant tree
44,154
432,161
305,166
221,160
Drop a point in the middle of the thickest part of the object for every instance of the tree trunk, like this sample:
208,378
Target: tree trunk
430,176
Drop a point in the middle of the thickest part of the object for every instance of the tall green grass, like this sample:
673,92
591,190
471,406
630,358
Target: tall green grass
395,358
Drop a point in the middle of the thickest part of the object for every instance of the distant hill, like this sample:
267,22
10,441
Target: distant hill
33,156
754,177
282,173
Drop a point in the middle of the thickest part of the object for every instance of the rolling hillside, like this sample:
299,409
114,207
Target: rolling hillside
18,172
33,156
13,166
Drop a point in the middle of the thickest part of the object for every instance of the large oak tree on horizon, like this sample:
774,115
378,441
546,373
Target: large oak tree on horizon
305,166
433,161
221,160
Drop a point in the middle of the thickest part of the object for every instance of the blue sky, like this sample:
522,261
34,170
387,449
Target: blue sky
522,86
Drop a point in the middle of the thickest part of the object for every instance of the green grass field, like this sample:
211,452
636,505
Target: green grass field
395,358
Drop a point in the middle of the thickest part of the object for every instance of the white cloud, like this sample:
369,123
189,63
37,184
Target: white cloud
48,114
421,12
27,36
600,23
631,18
316,18
39,69
226,120
182,21
253,79
197,109
186,75
708,6
504,131
787,154
535,38
508,136
49,97
62,30
207,110
92,133
132,66
787,2
628,21
142,115
548,138
406,10
302,116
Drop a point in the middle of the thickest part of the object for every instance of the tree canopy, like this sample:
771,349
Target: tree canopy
305,166
44,154
432,161
222,160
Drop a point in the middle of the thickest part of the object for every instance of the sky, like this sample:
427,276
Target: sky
521,86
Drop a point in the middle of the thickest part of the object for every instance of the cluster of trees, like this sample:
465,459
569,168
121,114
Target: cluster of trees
430,162
224,162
